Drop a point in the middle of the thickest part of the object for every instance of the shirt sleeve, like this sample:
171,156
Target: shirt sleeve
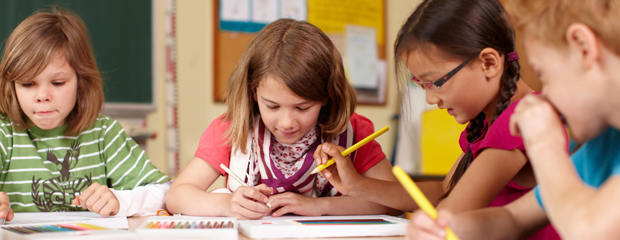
498,135
212,147
127,165
538,198
370,154
142,200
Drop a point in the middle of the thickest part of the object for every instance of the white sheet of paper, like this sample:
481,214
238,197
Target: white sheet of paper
264,11
294,9
235,10
362,56
38,218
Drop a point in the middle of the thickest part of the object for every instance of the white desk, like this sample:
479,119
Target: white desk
135,222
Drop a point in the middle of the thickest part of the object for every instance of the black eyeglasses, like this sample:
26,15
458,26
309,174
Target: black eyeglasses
436,84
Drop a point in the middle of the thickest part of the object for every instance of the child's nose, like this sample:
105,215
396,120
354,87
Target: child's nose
431,97
287,121
43,95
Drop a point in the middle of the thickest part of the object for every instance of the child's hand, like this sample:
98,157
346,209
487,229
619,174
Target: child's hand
249,202
289,202
99,199
342,175
5,207
538,123
423,227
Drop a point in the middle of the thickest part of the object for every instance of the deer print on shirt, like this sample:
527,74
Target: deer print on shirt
58,192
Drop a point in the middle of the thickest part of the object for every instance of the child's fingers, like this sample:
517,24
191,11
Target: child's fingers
85,195
335,151
106,197
95,198
243,213
249,209
327,174
284,210
253,194
264,189
324,157
444,218
5,205
251,199
111,207
421,222
10,216
317,154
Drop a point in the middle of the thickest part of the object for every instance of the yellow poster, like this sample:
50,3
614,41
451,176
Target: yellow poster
332,16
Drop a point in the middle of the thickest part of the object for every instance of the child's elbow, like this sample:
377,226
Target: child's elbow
171,201
592,228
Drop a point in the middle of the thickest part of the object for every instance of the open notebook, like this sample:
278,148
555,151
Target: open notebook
324,226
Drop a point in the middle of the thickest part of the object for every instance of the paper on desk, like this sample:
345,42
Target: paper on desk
37,218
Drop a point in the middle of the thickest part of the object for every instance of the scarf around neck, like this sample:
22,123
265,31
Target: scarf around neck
284,167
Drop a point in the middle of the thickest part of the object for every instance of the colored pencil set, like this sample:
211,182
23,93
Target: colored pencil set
189,224
52,228
175,227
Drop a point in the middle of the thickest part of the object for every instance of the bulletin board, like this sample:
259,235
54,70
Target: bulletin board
343,21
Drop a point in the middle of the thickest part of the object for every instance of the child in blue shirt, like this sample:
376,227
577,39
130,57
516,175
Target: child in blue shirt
574,48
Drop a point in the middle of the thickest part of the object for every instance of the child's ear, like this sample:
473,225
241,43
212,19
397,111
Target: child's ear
582,41
492,62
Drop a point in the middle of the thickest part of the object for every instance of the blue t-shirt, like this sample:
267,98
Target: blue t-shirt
597,160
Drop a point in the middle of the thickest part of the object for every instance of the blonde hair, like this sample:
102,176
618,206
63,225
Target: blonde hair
303,58
548,20
36,41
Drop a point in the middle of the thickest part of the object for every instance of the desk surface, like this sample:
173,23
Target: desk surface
135,222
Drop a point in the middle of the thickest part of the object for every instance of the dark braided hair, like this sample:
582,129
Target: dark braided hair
462,28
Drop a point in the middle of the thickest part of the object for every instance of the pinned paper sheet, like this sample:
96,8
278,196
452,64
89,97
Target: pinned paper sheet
362,56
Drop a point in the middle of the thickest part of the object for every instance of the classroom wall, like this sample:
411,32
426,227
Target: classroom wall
196,107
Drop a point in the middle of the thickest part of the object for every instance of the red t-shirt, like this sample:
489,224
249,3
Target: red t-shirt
214,150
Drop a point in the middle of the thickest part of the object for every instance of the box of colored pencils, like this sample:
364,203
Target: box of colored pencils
189,227
324,226
63,231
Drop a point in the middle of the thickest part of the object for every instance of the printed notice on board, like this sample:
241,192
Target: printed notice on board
362,56
332,16
253,15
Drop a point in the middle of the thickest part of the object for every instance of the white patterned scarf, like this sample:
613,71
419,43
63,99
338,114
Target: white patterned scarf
284,167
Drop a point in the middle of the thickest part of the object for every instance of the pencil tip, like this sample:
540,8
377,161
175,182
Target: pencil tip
315,171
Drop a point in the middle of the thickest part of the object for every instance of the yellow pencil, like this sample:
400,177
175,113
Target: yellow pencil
351,149
419,197
85,225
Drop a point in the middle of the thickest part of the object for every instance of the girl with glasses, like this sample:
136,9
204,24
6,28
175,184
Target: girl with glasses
462,53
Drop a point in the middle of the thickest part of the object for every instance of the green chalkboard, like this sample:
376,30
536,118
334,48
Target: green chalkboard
120,32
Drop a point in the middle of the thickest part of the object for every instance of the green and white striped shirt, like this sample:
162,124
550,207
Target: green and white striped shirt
44,170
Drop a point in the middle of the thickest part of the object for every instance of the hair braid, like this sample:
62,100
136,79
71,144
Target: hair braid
474,131
508,88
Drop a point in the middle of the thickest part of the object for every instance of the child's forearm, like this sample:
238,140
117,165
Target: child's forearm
517,220
188,199
348,205
143,200
576,210
393,195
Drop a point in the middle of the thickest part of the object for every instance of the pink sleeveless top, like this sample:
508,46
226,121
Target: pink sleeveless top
498,136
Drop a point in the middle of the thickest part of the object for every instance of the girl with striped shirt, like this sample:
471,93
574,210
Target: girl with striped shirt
57,153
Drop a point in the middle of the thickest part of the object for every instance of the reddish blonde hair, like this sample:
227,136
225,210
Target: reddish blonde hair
36,41
548,20
302,57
